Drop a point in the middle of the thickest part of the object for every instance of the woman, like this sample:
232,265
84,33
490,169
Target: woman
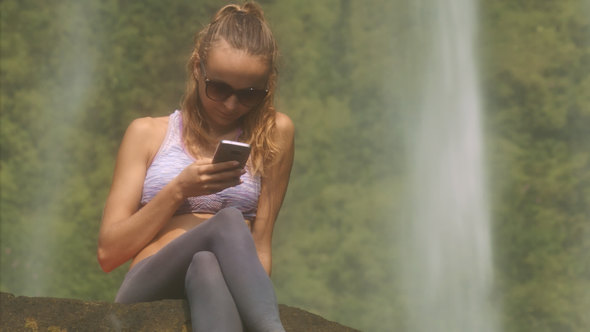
194,229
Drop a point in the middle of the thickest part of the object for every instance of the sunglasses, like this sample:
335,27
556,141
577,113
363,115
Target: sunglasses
220,91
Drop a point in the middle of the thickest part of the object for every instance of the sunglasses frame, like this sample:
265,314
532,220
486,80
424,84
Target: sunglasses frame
239,93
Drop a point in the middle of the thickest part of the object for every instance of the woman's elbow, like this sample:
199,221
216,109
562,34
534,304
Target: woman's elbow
105,260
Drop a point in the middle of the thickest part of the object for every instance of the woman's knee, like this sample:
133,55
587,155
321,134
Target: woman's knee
230,213
204,266
230,221
203,260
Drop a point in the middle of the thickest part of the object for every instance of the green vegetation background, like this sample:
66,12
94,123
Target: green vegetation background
75,73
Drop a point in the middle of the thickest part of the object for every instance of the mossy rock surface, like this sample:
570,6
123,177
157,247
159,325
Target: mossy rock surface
36,314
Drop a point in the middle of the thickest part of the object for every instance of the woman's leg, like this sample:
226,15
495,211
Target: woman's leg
212,306
227,236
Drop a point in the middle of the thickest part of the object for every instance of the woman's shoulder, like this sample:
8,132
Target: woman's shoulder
284,132
284,124
147,132
148,128
148,125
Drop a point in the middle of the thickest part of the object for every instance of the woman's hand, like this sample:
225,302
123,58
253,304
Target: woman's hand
205,178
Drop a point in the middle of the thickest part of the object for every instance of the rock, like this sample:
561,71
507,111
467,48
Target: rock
36,314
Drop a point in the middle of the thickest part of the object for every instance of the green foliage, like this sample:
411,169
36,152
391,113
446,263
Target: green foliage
74,74
537,71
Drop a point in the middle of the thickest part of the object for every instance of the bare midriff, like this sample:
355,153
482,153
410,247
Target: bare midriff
177,226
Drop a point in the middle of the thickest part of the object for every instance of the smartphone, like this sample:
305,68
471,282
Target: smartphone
231,150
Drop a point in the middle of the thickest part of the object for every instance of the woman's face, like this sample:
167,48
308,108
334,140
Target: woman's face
238,70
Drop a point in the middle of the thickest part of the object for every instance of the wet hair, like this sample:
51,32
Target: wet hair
244,28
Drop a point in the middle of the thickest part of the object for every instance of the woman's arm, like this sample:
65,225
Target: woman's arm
126,229
123,230
273,189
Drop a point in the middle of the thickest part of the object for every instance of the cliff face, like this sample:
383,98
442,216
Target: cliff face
66,315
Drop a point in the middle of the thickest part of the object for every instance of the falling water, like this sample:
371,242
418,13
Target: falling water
448,261
65,94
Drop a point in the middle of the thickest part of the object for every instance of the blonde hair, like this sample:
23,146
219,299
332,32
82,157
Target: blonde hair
243,28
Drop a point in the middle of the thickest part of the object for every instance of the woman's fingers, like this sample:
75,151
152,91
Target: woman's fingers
214,187
204,178
221,167
219,181
222,180
220,172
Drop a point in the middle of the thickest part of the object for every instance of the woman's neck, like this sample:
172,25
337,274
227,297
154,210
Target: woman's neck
207,145
218,134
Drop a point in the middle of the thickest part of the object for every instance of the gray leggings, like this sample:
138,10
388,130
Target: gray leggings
215,267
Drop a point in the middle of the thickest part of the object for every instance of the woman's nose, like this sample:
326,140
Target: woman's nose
232,102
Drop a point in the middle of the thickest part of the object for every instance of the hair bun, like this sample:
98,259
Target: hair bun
252,8
249,8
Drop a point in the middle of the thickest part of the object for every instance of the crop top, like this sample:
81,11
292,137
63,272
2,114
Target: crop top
172,158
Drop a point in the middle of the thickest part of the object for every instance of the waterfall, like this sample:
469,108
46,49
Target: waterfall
64,94
447,263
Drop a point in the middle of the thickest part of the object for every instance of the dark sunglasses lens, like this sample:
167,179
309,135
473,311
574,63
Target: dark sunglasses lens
251,97
218,91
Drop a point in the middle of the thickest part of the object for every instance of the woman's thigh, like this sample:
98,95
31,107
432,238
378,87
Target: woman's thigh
162,275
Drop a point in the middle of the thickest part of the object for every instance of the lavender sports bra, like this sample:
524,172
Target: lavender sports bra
172,158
